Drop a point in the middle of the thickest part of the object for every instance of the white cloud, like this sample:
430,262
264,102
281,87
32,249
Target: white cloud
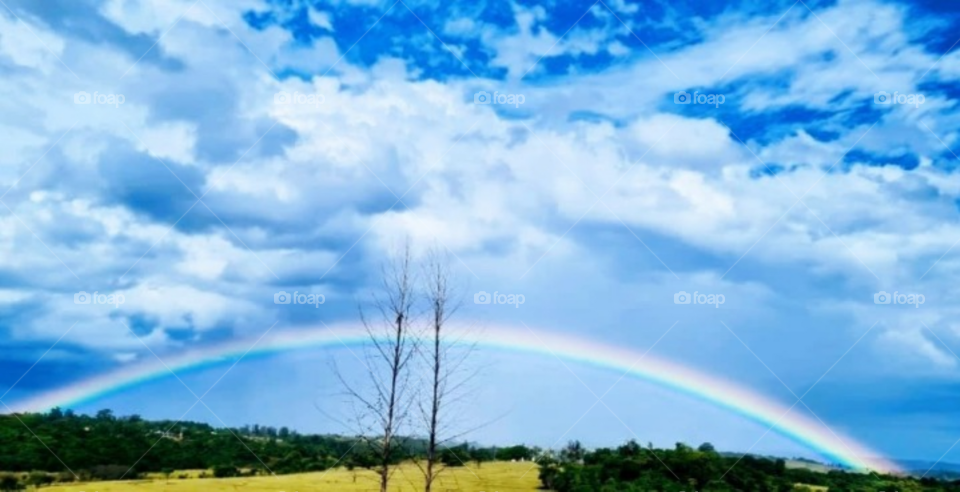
461,26
484,185
179,305
320,18
914,343
30,44
616,48
169,141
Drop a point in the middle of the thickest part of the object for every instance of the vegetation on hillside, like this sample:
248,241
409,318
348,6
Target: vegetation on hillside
105,447
632,468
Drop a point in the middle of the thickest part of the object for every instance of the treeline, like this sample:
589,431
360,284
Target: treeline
632,468
105,447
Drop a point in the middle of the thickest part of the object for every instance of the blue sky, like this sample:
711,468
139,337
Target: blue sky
233,149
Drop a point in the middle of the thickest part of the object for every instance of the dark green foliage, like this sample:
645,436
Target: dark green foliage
108,472
515,453
479,455
10,483
574,452
226,472
39,479
454,457
631,468
105,447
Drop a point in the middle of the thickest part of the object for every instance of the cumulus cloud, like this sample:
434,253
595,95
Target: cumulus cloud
205,190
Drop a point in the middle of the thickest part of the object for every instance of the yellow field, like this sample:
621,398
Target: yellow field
491,477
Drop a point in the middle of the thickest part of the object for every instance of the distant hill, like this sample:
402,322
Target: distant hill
108,447
794,463
916,468
942,470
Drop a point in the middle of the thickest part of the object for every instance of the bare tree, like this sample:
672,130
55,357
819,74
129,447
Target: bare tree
444,357
438,295
383,413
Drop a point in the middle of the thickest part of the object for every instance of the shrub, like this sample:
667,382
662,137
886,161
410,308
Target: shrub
451,458
9,483
39,479
65,477
225,471
111,472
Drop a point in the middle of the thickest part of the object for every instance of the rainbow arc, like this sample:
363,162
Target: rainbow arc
705,387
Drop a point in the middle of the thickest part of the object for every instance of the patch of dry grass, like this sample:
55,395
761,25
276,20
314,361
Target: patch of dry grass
491,477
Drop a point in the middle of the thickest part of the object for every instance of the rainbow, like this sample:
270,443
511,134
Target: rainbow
725,394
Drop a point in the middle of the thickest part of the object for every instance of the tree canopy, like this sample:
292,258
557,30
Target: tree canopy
632,468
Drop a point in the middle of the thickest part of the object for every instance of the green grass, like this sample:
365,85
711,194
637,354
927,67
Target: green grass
491,477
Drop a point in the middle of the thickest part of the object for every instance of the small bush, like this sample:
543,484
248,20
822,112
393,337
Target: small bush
109,472
226,471
10,483
450,458
65,477
39,479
